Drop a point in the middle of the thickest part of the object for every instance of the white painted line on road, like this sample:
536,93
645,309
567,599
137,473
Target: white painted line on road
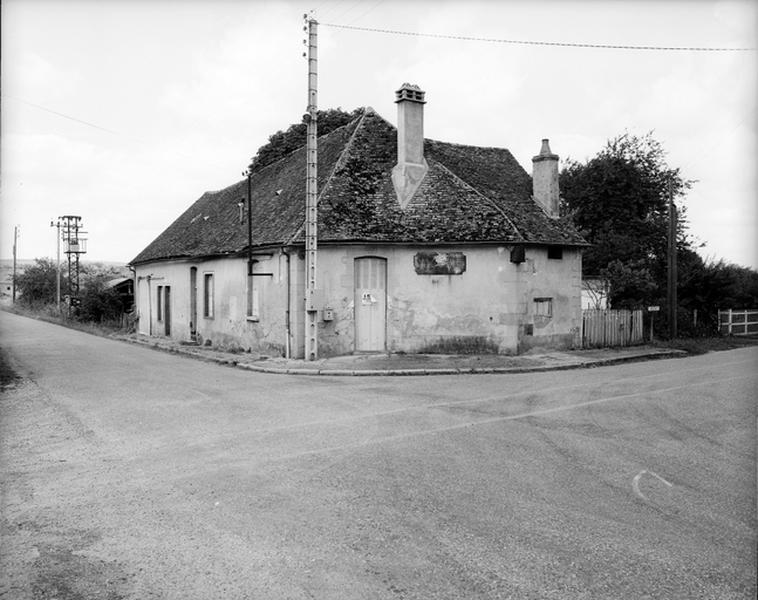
636,482
535,413
661,478
636,485
499,397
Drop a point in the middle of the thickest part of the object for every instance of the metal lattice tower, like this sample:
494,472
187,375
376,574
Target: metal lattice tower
75,244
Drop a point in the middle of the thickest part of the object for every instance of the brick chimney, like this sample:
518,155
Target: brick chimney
411,164
545,180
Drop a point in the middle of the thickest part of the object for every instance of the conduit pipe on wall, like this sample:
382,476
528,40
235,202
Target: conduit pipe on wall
287,343
149,307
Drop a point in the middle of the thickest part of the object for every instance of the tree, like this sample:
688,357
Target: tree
619,201
99,302
283,143
37,285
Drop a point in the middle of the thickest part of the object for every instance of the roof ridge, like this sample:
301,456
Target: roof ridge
338,163
363,109
468,145
487,199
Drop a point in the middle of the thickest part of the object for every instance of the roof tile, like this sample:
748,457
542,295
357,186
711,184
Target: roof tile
469,194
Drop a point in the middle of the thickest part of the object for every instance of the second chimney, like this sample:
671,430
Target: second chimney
411,165
545,180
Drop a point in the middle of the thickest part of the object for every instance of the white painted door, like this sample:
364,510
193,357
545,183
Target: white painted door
370,304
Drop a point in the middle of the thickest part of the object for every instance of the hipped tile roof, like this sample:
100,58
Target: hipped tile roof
469,194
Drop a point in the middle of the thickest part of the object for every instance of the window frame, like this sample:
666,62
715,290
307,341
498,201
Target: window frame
159,304
209,295
543,302
555,252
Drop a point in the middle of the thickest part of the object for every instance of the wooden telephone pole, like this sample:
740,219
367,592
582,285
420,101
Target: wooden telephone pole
311,197
671,295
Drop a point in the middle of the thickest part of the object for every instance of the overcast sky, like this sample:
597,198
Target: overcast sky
125,112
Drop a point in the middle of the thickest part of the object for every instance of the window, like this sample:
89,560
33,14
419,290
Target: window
543,307
159,312
208,299
555,252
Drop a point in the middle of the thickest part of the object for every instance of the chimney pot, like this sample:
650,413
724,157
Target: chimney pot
410,92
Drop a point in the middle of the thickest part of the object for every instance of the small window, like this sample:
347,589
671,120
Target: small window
555,252
159,304
208,299
543,307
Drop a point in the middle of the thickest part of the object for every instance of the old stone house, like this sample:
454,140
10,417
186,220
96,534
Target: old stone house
419,241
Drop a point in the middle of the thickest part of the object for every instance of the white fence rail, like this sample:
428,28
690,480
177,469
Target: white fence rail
738,322
608,328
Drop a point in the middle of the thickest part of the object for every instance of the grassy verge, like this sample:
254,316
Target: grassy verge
48,315
707,344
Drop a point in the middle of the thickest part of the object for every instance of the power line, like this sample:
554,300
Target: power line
55,112
93,125
536,43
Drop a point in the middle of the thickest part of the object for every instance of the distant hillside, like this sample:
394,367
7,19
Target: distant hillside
23,262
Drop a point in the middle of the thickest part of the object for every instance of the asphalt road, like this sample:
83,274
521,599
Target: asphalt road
129,473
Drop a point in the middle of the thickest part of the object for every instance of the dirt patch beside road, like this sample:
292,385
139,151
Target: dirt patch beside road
44,555
7,375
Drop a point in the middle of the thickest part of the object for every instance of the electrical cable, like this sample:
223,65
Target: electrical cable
535,43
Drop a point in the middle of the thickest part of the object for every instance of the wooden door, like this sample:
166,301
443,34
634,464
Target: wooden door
370,303
167,309
193,302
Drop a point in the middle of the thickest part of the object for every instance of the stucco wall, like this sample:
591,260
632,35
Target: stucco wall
492,300
229,326
561,281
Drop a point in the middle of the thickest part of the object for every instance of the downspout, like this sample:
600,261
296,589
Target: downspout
287,336
149,307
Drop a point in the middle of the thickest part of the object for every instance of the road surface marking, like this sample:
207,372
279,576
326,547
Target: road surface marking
471,424
636,482
385,413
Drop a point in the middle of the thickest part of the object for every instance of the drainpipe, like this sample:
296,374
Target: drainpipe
287,342
149,307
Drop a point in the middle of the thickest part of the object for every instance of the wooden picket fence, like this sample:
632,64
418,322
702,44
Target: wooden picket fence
608,328
738,322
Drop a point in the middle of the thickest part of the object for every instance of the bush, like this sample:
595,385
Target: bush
37,285
100,303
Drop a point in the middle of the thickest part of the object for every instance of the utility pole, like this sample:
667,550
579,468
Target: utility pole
57,225
671,295
249,311
311,196
248,174
13,284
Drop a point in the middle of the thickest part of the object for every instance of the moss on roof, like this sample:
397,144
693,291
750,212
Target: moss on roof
469,194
